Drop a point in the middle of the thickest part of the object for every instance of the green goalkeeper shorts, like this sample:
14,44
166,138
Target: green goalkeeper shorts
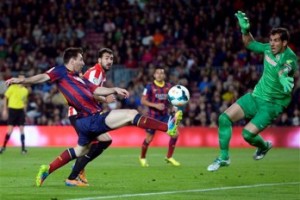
262,113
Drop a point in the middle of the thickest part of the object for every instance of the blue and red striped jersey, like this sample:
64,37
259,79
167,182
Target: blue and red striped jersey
156,94
95,75
77,91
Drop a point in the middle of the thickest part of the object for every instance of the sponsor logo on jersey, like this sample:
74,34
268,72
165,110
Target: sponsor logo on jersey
161,96
270,61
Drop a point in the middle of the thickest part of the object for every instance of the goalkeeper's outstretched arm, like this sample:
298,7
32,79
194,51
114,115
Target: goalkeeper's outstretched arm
247,38
244,24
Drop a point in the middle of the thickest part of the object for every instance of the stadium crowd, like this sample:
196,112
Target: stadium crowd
197,42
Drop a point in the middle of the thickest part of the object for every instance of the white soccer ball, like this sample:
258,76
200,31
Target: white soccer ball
178,95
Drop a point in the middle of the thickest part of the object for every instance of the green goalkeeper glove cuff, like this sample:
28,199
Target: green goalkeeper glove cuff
286,82
243,22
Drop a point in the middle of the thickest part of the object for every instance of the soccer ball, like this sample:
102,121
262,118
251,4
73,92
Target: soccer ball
178,95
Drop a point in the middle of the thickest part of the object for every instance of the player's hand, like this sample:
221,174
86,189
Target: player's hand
287,82
13,81
160,106
243,22
122,92
110,98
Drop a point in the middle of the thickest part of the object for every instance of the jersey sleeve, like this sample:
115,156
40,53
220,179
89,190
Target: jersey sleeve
55,73
147,90
258,47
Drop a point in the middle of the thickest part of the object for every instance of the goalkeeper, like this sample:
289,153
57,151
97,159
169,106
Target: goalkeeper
271,95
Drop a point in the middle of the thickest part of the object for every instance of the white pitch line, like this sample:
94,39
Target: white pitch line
186,191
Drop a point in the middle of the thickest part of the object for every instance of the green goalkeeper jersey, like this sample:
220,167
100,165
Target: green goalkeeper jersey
268,87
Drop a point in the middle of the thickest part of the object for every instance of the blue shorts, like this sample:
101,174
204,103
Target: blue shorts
162,118
90,127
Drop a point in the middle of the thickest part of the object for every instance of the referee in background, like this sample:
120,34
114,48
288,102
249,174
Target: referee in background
15,102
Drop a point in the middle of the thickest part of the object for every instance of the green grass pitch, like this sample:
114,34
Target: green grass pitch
118,175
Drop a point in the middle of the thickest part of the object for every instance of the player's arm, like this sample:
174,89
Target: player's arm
40,78
104,91
5,108
245,27
247,37
145,102
285,75
101,99
108,99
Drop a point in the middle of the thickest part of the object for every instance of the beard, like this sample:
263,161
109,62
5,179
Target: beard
105,67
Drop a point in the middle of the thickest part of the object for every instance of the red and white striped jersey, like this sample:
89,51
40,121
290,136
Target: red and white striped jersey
95,75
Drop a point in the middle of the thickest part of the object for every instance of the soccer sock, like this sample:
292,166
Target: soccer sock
171,149
148,122
7,136
79,165
145,146
97,149
62,159
254,139
225,132
23,141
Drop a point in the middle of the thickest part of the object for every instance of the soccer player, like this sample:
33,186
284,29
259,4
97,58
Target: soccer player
271,95
15,102
155,97
96,75
91,122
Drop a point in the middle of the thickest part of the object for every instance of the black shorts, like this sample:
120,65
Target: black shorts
16,117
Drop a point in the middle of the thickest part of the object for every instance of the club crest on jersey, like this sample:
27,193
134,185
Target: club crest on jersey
96,81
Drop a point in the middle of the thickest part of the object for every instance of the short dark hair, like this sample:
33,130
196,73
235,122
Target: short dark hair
283,32
159,67
71,52
103,51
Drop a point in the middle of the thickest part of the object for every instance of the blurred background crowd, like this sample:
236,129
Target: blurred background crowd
198,43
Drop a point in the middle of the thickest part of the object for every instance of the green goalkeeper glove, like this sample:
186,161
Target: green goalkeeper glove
286,82
243,22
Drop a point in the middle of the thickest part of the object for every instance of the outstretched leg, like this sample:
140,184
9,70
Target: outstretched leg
232,114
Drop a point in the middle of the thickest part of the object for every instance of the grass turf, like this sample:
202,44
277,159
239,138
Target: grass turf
118,175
